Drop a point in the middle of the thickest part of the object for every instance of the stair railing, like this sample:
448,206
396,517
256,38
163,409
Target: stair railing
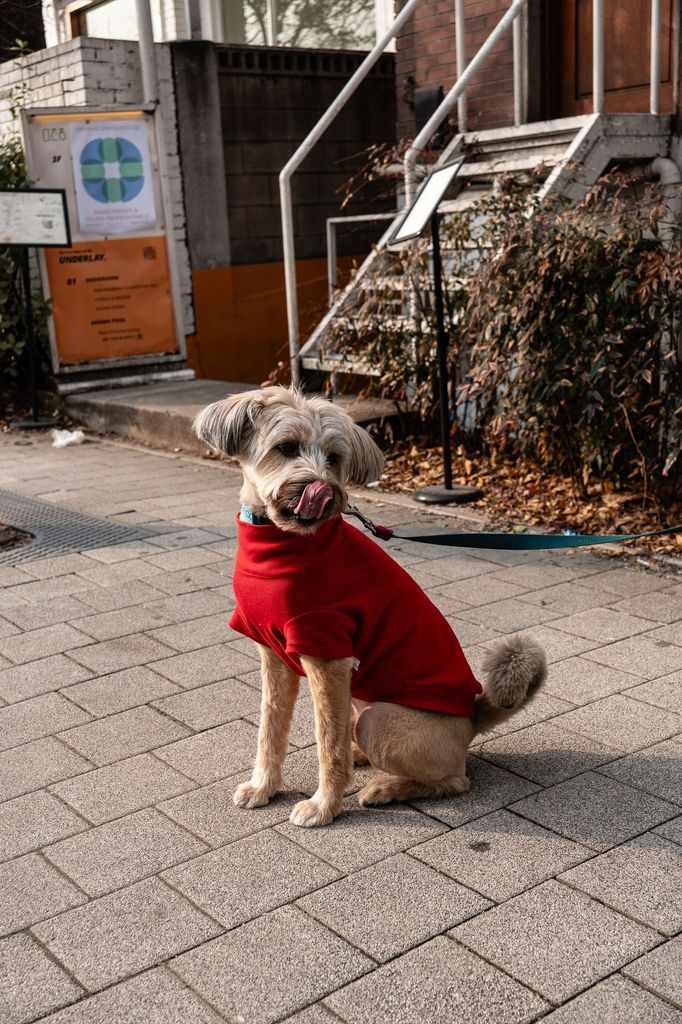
295,162
511,17
324,122
450,101
457,97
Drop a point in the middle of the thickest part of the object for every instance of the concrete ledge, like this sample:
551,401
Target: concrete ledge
162,414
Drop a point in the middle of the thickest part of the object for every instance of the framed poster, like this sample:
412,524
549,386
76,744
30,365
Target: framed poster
114,295
113,177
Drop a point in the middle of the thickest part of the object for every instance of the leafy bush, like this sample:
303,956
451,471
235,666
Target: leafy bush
564,325
13,346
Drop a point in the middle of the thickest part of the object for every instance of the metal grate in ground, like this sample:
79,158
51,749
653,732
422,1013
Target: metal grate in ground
58,530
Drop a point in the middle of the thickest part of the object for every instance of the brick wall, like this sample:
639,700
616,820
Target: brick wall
95,72
425,56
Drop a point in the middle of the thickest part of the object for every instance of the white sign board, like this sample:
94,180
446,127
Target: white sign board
426,203
113,178
34,217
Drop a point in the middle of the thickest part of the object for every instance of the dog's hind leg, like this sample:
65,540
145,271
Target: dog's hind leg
280,690
394,787
422,752
356,709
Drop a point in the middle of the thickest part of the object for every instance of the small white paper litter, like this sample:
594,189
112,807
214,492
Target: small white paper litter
63,438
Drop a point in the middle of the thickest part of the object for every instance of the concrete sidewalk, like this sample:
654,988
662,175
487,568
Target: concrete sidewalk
132,891
162,414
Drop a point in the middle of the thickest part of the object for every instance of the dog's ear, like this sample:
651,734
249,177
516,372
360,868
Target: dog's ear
228,424
366,460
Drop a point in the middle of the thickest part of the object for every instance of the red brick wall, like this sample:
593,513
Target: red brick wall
426,56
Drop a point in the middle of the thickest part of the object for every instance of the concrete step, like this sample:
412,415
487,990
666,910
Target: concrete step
537,134
161,414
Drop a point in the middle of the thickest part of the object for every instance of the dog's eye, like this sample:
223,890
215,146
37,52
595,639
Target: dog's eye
332,459
289,448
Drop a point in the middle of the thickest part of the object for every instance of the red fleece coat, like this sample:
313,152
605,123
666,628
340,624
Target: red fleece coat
337,594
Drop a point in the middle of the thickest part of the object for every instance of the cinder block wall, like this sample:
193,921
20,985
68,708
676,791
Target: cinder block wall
425,56
270,99
97,72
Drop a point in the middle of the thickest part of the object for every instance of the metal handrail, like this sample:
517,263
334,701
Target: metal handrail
297,159
597,57
332,261
675,74
655,73
461,63
518,68
453,96
458,96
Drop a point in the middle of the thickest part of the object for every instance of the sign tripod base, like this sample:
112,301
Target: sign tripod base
459,494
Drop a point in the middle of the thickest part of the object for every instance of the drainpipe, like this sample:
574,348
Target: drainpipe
668,173
150,78
150,93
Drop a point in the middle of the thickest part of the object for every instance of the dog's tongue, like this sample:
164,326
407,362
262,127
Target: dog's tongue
314,500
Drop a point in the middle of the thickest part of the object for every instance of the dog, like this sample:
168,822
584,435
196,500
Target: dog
389,682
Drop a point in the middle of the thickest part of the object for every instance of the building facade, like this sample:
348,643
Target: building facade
241,83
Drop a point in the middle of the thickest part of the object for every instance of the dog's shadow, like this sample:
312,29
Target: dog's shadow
591,801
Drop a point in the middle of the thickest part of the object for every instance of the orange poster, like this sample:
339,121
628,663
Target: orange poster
111,298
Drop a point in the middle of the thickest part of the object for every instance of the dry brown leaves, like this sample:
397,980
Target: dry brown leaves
520,495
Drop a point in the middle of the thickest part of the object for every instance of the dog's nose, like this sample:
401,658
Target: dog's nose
315,498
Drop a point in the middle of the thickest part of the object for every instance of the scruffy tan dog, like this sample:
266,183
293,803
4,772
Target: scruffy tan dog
389,682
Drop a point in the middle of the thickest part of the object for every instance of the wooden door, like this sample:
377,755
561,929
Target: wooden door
627,34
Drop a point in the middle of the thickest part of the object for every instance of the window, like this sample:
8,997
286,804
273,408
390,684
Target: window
112,19
323,24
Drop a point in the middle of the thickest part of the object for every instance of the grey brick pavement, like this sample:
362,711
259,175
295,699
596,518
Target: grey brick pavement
133,890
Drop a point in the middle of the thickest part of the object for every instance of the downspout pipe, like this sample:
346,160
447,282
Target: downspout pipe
150,78
670,177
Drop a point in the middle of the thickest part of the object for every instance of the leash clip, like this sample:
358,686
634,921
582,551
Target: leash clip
382,532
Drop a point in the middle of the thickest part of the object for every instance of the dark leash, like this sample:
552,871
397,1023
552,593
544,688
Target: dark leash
507,541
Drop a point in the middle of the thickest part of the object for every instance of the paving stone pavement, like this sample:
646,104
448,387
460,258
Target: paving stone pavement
133,891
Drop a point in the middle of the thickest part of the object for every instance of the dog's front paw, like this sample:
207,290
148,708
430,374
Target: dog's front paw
250,795
309,813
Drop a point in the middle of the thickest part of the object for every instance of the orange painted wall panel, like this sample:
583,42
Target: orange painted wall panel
241,317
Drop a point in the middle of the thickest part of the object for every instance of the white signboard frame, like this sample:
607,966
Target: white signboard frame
35,217
426,203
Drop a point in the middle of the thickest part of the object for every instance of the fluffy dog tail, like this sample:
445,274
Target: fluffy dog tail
514,671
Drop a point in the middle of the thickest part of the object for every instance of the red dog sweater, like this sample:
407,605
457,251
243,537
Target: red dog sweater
336,594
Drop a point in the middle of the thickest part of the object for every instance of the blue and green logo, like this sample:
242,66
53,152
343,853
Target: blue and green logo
112,170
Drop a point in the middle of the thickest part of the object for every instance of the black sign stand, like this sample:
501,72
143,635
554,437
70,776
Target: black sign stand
425,208
34,423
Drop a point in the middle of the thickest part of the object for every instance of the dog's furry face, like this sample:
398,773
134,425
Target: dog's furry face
285,442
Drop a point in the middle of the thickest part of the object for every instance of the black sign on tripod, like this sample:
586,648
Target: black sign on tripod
424,209
33,217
